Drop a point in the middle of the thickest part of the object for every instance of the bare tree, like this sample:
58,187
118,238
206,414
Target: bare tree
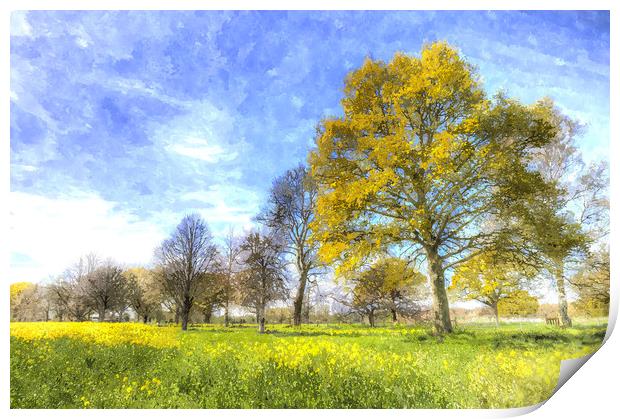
263,279
592,201
59,296
105,289
185,257
230,267
290,211
67,294
68,300
358,299
85,265
46,302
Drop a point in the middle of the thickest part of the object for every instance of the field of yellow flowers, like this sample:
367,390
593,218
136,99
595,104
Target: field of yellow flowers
127,365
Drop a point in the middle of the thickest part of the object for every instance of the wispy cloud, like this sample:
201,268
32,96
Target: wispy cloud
200,149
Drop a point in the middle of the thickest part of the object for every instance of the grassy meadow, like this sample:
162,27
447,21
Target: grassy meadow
129,365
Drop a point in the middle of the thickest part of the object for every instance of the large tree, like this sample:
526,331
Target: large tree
290,210
185,257
422,160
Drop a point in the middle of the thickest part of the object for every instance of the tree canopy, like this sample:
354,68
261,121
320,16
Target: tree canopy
389,284
289,212
421,159
490,278
186,257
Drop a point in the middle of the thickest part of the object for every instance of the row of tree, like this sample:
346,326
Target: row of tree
192,275
191,272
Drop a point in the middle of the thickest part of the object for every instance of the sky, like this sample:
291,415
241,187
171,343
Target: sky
123,122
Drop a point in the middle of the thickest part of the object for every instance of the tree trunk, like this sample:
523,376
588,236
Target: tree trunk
261,322
226,314
207,316
441,308
563,304
496,313
101,314
394,317
176,315
185,310
371,318
305,312
145,319
299,298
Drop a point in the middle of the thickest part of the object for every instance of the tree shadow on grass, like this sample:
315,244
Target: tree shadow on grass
210,330
284,333
501,338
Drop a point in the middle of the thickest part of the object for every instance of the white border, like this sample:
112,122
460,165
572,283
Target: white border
309,5
594,388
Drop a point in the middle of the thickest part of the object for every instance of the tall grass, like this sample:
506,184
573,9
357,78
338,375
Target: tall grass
69,365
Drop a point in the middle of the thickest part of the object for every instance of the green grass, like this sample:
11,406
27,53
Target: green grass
334,366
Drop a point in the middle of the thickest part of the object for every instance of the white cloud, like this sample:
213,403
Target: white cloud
200,149
133,86
82,43
19,24
23,167
53,233
228,206
205,133
19,172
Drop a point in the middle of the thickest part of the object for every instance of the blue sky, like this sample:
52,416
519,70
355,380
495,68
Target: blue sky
122,122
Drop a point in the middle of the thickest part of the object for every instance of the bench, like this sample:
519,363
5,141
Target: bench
555,321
